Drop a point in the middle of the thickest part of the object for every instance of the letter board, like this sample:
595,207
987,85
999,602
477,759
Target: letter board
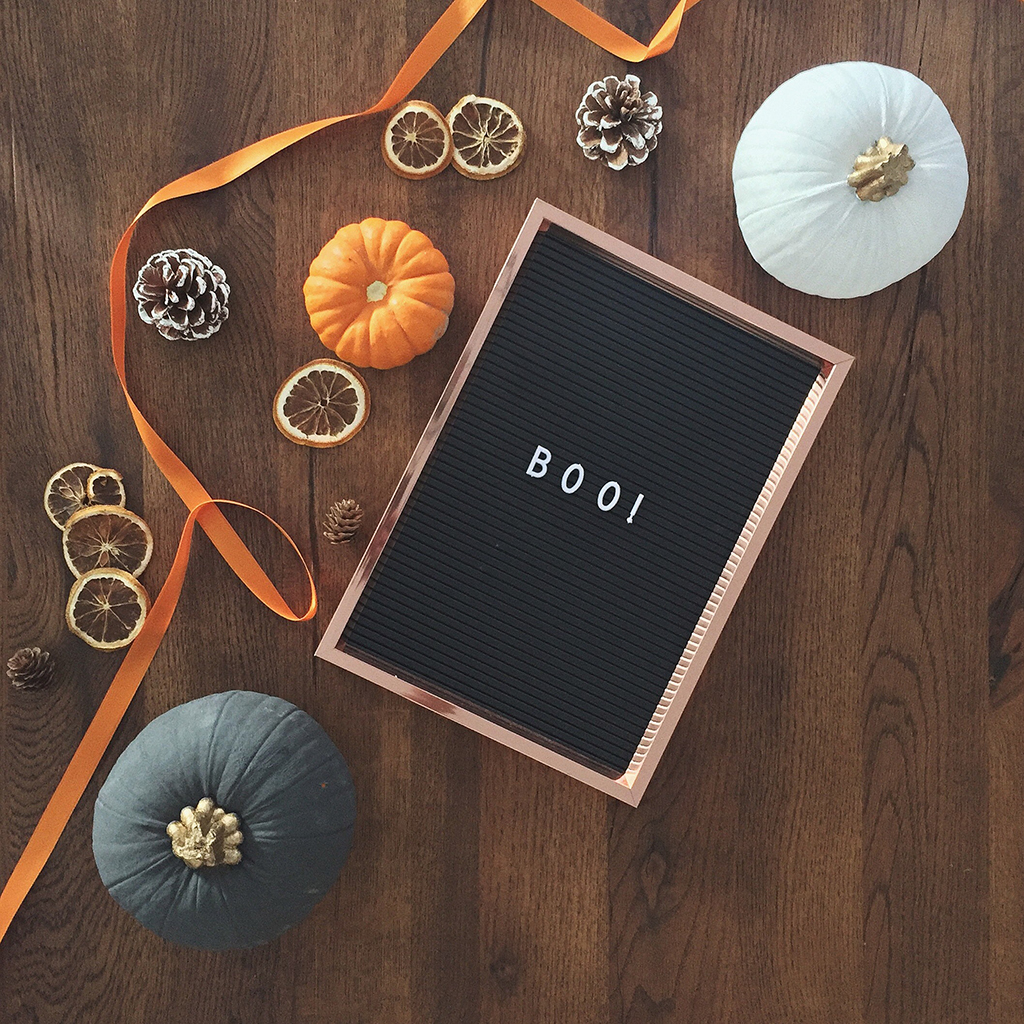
584,504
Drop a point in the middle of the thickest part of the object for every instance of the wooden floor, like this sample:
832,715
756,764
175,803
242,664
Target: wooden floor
836,833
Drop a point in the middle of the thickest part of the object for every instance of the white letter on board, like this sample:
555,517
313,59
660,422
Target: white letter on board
539,465
608,506
574,468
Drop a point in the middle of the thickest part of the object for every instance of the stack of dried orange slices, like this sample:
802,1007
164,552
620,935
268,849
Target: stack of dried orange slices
106,547
483,137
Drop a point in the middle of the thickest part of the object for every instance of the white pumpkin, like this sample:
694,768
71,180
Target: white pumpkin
813,222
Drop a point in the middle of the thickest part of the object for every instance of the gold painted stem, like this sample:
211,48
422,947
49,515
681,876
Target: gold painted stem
206,835
880,171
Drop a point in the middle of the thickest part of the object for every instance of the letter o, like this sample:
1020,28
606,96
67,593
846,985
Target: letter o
608,506
574,468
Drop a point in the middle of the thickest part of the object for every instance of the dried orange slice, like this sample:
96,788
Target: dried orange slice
416,142
322,404
105,487
66,492
107,537
106,608
488,137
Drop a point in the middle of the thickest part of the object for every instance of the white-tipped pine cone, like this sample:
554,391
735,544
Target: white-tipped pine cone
183,294
618,123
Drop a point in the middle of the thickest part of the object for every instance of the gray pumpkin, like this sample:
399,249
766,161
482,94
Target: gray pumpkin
261,760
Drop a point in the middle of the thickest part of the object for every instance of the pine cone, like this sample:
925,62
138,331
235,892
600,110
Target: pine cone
343,520
183,294
617,123
29,668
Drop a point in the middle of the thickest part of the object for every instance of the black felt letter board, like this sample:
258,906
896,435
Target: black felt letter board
514,582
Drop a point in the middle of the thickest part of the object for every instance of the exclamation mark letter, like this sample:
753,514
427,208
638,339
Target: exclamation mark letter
636,505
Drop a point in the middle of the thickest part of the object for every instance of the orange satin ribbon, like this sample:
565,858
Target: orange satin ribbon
202,508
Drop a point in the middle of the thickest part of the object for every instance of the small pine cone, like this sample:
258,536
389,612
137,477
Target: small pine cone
183,294
617,123
30,668
343,520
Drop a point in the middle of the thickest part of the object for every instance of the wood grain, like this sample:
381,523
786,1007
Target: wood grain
835,833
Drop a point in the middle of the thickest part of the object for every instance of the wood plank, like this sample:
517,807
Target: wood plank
925,813
998,155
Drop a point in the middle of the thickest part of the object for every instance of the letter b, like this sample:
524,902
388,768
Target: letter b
539,465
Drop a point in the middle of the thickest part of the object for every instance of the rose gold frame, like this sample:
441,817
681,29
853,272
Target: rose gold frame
834,366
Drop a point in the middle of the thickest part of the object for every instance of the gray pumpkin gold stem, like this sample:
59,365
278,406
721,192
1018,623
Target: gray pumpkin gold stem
880,171
206,835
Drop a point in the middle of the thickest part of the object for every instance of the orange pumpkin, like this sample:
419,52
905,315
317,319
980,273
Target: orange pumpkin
379,293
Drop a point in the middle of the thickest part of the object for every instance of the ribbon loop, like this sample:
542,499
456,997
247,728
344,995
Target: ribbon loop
112,709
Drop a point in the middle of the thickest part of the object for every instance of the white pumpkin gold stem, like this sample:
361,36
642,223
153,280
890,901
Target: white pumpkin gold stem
880,171
206,835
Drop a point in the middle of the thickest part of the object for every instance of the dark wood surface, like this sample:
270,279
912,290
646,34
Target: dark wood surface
836,833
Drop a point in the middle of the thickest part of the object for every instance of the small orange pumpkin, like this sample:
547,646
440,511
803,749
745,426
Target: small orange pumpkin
379,293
